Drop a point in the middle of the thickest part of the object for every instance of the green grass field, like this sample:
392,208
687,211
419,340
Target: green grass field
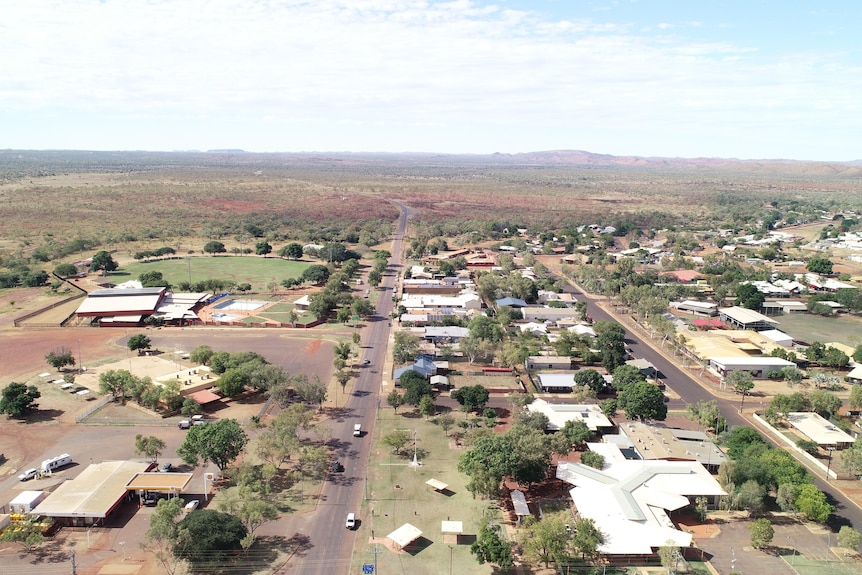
397,494
805,566
257,271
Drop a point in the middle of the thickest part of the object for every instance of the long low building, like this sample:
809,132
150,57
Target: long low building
820,430
92,495
758,367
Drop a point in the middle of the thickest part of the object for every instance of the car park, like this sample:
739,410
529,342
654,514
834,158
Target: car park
28,475
351,521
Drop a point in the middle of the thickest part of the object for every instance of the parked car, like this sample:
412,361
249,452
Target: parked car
184,424
337,467
166,467
199,420
351,521
192,505
28,475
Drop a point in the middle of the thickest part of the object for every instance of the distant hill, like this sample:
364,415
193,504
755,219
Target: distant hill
583,158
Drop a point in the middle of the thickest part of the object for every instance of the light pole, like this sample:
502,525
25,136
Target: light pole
415,452
829,464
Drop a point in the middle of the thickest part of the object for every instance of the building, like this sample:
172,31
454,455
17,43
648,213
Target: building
820,430
696,307
631,502
438,334
558,382
655,442
548,362
743,318
550,313
758,367
560,413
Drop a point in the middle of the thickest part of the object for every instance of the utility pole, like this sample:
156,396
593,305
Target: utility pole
74,565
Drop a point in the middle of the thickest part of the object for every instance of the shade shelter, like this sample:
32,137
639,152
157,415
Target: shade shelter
437,485
451,531
519,503
404,535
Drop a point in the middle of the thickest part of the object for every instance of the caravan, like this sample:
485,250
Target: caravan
55,463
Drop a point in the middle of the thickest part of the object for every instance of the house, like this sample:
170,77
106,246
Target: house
438,334
302,303
560,413
556,382
550,313
511,302
423,365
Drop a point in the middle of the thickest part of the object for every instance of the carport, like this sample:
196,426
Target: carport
170,484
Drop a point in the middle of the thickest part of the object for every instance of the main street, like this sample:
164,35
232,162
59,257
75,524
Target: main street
325,544
690,391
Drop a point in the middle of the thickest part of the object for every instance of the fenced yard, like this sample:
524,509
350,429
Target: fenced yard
809,328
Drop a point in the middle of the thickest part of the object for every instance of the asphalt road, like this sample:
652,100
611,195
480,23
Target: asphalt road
690,391
329,544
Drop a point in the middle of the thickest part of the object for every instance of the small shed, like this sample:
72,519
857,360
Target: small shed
519,502
439,381
404,535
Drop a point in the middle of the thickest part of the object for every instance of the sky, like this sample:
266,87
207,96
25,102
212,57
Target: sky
749,79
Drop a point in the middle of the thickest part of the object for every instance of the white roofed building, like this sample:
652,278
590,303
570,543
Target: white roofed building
631,502
559,413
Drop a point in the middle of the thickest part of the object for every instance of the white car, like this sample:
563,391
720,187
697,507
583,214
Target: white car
29,474
192,505
351,521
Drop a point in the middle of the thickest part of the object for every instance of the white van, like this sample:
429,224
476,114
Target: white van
357,430
56,462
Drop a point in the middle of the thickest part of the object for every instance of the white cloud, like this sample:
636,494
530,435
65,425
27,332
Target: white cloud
396,65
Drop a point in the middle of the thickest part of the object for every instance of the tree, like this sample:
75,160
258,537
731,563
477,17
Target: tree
233,382
446,421
577,432
28,533
151,446
427,407
485,328
610,338
405,345
546,540
855,396
588,538
220,442
591,379
520,400
669,555
857,353
761,533
643,401
117,382
849,538
824,402
262,248
292,251
533,419
791,375
472,397
786,496
66,270
310,390
741,382
739,439
201,354
750,497
749,297
162,533
851,459
214,247
593,459
18,399
626,375
60,359
490,548
415,387
248,506
139,342
705,413
609,407
812,503
394,400
342,377
819,265
316,274
397,440
207,536
102,260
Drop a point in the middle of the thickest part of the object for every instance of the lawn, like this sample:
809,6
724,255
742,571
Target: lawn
805,566
809,328
397,494
257,271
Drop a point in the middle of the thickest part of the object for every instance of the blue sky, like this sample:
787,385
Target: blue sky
746,79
